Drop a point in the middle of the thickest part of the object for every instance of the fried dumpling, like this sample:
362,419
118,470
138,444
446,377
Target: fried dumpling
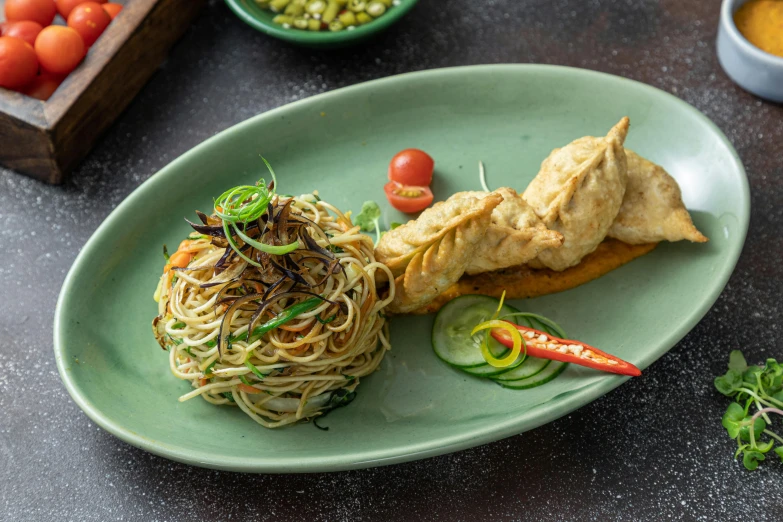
652,209
578,192
514,236
428,255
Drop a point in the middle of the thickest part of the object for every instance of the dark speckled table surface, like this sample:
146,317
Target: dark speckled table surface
651,450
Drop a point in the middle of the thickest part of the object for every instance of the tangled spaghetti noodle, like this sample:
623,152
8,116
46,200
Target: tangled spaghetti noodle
283,336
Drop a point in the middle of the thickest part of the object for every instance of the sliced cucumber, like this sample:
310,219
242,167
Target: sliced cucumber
451,337
551,371
530,367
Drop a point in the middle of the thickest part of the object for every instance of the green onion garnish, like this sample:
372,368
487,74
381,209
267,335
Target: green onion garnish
255,370
242,205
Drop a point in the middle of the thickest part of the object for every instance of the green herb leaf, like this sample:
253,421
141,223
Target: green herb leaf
166,253
369,214
779,452
245,380
734,412
327,320
208,369
749,375
765,447
178,326
394,225
751,459
729,382
731,419
737,361
758,426
369,218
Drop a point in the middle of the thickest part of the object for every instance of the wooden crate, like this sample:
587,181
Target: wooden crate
46,140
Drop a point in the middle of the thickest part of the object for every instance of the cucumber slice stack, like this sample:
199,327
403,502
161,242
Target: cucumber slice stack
452,343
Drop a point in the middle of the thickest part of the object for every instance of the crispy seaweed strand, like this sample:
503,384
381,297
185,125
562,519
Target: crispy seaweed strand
225,258
203,217
210,230
297,278
315,247
225,324
273,287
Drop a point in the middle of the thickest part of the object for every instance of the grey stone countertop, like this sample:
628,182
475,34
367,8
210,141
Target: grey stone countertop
653,449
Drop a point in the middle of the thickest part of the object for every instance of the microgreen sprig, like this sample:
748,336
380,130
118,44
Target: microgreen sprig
239,206
369,219
752,386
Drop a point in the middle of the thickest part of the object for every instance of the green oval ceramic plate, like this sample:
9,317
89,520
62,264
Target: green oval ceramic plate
340,143
261,19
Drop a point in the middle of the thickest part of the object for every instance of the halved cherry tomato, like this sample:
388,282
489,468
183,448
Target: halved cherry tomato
112,9
89,20
18,64
41,11
408,198
43,86
412,167
25,30
64,7
59,49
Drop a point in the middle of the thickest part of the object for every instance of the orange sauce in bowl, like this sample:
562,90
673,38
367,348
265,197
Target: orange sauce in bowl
761,22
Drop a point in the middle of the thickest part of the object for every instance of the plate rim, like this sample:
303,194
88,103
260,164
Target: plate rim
544,413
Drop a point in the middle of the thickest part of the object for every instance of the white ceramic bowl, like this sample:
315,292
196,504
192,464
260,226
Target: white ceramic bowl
751,68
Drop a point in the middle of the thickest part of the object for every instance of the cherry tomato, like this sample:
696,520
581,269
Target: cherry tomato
412,167
89,20
112,9
41,11
43,86
24,30
407,198
64,7
18,64
59,49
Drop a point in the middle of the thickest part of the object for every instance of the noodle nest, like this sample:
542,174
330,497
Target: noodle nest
321,320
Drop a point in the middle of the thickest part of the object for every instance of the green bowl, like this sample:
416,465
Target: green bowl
261,19
340,142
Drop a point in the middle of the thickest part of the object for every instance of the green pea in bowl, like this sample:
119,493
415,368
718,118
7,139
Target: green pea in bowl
360,24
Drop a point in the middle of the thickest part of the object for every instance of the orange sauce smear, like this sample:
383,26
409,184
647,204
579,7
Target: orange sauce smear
522,282
761,22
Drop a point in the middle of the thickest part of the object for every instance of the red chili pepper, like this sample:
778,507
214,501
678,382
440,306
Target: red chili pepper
551,347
